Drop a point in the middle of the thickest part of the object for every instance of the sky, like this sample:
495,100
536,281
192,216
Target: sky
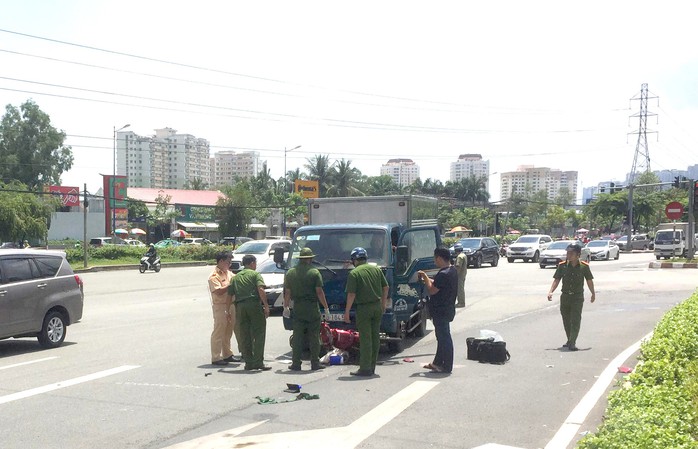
544,83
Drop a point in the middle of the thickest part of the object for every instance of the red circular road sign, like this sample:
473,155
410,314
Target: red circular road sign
674,210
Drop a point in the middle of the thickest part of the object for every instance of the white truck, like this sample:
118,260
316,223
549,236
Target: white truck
670,240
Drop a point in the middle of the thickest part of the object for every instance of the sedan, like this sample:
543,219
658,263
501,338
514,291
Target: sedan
273,283
603,249
167,243
557,252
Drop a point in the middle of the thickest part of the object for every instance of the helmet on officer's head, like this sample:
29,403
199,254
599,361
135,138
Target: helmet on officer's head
457,247
151,246
358,253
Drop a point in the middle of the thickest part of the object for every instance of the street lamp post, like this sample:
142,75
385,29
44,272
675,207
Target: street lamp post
111,199
283,214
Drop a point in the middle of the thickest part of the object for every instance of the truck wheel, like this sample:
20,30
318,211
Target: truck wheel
396,345
510,259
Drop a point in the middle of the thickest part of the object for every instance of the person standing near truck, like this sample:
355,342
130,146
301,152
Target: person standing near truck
303,285
367,286
572,272
252,309
442,307
461,265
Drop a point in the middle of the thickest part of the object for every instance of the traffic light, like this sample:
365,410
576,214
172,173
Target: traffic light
677,182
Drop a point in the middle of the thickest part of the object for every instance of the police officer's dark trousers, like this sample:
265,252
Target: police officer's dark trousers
253,331
306,327
571,311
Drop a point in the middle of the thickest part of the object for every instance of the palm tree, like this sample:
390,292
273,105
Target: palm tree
291,177
344,179
319,169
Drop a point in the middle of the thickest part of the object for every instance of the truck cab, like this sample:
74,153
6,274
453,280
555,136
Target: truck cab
398,249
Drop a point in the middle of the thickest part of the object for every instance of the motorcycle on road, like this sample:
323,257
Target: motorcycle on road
147,265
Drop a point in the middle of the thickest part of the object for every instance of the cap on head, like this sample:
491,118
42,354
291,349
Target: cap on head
152,245
574,247
306,253
458,247
358,253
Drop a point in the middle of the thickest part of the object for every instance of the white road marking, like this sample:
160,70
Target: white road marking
574,421
347,437
66,383
27,363
495,446
186,387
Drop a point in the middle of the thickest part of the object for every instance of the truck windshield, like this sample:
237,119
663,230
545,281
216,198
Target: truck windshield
332,247
664,237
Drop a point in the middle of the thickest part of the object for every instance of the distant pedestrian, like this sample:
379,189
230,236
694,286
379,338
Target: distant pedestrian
303,285
461,265
442,290
223,312
367,286
572,272
252,309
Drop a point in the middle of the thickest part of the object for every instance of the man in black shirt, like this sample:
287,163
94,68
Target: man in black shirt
442,290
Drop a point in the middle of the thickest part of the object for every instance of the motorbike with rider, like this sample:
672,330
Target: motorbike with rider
150,260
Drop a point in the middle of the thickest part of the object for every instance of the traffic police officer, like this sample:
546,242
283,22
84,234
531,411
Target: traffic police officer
223,312
303,285
367,286
252,310
461,265
572,272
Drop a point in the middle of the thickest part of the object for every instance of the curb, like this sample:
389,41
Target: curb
135,267
673,265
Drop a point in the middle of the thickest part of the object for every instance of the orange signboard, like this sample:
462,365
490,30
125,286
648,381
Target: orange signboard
307,189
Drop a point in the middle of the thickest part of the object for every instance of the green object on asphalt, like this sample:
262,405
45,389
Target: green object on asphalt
266,400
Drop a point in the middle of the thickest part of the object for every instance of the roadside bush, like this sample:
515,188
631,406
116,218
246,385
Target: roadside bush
659,409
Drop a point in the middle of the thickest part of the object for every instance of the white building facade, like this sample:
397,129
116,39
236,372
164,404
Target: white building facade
166,160
403,171
226,166
528,179
469,166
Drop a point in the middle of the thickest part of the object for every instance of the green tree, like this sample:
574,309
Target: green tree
555,219
137,209
319,170
196,184
233,212
344,178
24,215
31,150
162,216
379,185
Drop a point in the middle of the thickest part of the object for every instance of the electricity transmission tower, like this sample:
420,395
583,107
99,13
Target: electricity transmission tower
641,160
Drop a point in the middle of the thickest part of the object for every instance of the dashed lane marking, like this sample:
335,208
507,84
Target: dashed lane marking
27,363
66,383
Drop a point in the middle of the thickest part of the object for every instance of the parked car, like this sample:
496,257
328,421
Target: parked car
603,249
100,241
556,252
639,241
167,243
196,241
234,241
273,281
528,247
480,250
134,242
261,249
40,295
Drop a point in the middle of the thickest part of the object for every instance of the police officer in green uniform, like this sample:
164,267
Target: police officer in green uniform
252,310
572,272
367,286
303,285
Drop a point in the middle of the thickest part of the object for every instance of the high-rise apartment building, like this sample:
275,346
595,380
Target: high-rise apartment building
403,171
166,160
228,165
528,179
469,166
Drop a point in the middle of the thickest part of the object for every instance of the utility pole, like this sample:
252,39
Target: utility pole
84,226
641,160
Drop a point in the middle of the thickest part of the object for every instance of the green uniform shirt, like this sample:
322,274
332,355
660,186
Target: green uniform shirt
573,277
367,281
244,285
462,264
302,281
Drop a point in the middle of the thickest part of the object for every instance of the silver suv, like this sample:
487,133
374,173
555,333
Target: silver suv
39,295
528,247
261,249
